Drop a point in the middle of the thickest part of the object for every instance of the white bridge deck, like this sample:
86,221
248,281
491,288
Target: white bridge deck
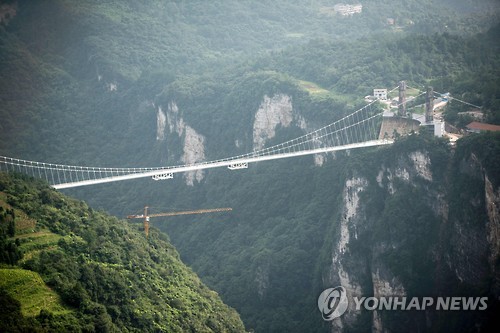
222,163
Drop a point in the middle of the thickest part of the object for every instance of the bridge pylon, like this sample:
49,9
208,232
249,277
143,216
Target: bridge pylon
429,105
402,99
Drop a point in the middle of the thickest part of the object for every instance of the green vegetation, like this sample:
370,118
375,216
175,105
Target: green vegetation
82,82
312,88
67,57
444,61
103,274
484,147
31,292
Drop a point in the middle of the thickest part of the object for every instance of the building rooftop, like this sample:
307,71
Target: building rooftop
482,126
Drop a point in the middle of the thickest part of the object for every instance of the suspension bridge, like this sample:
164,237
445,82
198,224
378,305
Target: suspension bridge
359,129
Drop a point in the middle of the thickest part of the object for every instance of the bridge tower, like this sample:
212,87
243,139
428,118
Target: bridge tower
402,99
429,105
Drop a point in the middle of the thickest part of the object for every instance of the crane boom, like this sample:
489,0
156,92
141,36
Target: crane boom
146,216
191,212
186,212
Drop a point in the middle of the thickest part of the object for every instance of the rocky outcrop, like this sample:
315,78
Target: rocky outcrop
161,122
384,286
262,280
175,121
414,165
193,148
492,196
193,151
421,164
468,227
474,228
273,111
352,215
112,86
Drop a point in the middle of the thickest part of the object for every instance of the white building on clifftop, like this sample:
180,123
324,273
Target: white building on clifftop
347,10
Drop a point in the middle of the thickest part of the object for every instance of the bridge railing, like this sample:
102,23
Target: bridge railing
358,129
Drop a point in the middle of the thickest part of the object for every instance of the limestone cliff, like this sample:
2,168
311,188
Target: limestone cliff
275,112
417,226
193,143
352,214
492,196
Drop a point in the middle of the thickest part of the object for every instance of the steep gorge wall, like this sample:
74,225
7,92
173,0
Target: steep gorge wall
410,219
397,237
398,231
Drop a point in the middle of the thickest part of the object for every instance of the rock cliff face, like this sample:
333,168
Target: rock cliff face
492,196
194,151
193,143
352,215
404,231
273,111
474,227
161,122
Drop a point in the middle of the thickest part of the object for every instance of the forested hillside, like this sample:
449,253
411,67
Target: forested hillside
129,84
103,64
466,67
104,275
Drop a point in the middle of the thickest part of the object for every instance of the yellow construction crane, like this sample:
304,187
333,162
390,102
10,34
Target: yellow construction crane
146,217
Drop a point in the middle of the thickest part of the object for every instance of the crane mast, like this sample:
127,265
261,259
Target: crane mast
146,217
